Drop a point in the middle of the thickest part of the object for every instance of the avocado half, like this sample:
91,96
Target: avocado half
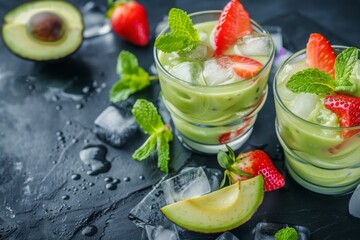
218,211
43,30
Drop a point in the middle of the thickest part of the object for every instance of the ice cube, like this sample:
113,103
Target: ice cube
198,54
115,125
189,72
267,231
147,211
227,236
160,232
190,183
218,71
214,176
95,23
354,206
256,44
303,104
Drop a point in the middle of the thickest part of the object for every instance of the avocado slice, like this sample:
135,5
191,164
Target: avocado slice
220,210
43,30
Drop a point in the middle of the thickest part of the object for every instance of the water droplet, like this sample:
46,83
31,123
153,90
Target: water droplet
84,188
86,89
95,157
68,122
101,192
58,107
111,186
116,180
89,231
79,106
74,140
103,85
31,87
75,189
55,98
65,197
127,179
60,138
91,184
108,179
54,162
75,176
141,177
59,133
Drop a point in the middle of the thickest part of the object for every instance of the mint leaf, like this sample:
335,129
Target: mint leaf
147,116
127,63
287,233
183,35
150,121
163,150
311,80
344,66
146,149
132,77
119,91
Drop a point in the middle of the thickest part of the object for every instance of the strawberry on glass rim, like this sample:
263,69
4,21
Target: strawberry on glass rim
248,165
128,19
234,23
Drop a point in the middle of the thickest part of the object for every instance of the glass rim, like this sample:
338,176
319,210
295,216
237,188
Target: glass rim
288,111
254,23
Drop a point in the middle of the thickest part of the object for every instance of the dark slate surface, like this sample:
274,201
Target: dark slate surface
45,120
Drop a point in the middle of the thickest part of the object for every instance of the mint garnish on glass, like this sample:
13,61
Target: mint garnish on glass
133,78
150,121
318,82
183,36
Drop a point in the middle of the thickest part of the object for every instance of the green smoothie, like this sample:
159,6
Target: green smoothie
318,154
209,103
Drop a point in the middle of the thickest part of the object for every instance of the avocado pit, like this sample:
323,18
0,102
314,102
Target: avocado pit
46,26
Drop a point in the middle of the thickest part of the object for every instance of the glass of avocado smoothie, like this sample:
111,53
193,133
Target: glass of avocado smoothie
211,98
319,129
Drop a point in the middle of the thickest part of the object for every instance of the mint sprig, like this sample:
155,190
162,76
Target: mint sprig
318,82
183,36
287,233
133,78
150,121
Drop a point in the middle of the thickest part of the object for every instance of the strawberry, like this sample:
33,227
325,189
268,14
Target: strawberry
234,22
248,165
129,20
319,54
243,67
347,109
229,136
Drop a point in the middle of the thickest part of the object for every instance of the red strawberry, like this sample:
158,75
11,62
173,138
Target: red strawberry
251,164
229,136
234,22
129,20
347,109
319,54
245,67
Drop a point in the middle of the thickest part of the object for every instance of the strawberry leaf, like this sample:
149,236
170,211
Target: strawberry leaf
224,160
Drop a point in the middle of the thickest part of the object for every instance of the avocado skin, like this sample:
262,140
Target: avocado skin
53,58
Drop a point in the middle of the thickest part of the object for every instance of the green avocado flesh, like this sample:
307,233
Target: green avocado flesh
220,210
65,19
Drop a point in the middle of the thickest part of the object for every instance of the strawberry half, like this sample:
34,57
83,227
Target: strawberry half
319,54
243,67
234,22
347,109
248,165
129,20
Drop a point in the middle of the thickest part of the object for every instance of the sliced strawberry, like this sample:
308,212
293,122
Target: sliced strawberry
347,109
251,164
229,136
245,67
319,54
234,22
129,20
